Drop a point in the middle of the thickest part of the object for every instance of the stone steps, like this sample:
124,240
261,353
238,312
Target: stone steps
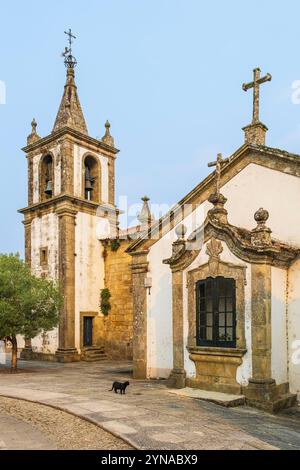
285,401
93,354
222,399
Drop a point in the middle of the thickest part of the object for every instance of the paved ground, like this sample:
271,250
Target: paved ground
148,416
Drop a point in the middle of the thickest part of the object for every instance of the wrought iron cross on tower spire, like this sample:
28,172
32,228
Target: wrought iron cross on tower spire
70,60
257,81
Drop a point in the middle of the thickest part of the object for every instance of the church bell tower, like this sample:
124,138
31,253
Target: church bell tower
70,189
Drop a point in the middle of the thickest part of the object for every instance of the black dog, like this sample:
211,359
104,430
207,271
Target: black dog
119,386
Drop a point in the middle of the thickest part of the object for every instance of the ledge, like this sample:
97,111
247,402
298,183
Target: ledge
74,133
207,351
76,201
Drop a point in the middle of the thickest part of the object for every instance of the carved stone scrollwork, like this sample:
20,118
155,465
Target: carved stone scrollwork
182,256
213,250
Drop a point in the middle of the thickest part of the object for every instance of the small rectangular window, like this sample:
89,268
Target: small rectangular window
216,315
44,256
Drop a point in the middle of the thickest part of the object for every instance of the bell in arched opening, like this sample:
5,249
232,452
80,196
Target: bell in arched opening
88,183
48,187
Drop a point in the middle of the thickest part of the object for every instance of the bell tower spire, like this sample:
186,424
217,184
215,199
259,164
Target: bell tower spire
70,112
71,188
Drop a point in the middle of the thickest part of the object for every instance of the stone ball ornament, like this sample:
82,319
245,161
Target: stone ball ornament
261,216
180,231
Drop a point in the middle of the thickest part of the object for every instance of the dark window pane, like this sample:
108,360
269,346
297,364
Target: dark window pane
202,305
222,288
229,334
229,288
222,319
222,304
202,334
208,288
209,334
229,304
229,319
222,335
209,304
202,289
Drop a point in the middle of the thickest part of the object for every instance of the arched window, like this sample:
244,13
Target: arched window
216,312
91,179
46,178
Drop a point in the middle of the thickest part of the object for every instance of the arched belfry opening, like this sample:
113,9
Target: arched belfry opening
46,178
91,179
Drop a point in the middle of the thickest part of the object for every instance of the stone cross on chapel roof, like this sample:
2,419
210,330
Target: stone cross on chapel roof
257,81
218,164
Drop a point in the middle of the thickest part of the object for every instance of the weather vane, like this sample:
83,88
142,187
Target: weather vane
70,60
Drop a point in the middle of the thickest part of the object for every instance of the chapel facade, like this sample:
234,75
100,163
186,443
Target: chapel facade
207,297
224,309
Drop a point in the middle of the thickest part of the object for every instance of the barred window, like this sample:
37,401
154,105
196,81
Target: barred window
216,312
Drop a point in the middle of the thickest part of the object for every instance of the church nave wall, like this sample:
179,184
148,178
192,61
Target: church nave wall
117,327
294,326
89,274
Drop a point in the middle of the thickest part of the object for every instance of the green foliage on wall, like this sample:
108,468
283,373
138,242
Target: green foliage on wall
114,245
104,301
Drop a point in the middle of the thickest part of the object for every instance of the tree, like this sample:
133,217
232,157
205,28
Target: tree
28,305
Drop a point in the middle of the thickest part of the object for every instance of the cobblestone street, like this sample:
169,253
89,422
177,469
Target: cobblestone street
147,417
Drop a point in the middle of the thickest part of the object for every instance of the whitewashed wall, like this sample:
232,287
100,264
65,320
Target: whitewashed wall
89,268
279,326
159,324
46,343
254,187
294,327
44,233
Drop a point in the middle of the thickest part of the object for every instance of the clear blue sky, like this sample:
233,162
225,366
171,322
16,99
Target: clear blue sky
166,73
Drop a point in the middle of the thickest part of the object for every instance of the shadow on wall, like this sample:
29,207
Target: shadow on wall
160,336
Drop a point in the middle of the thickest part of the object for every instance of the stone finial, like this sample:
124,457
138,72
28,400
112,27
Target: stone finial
33,136
107,138
261,235
180,231
145,216
180,244
218,214
33,126
261,216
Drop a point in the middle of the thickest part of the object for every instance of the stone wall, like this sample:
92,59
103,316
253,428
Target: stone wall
118,325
